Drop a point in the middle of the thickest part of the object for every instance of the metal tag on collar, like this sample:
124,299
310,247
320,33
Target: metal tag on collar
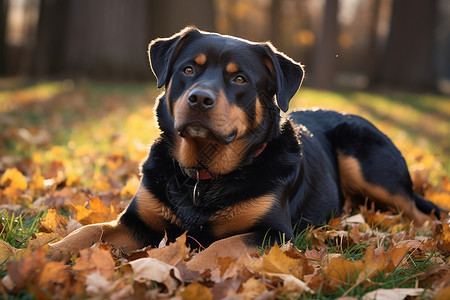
196,191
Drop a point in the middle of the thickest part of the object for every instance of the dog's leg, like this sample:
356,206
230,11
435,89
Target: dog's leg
353,183
113,232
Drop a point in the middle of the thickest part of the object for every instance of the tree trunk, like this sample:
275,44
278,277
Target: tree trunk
325,57
276,34
51,36
409,58
170,16
3,17
108,39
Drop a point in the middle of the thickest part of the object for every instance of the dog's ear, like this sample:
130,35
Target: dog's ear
162,53
287,73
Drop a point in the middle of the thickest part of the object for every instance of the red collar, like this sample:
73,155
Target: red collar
204,174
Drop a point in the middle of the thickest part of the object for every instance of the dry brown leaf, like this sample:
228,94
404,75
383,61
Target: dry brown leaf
291,284
7,252
97,285
252,288
150,269
392,294
21,273
94,260
53,222
55,278
171,254
442,235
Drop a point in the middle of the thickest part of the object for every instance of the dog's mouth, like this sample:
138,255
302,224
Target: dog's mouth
199,130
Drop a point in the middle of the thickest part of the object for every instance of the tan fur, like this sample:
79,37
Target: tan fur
152,212
168,95
269,65
111,232
241,216
232,68
259,113
228,157
219,158
353,183
200,59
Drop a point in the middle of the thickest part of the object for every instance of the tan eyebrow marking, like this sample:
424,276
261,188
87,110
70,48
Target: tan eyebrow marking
232,68
200,59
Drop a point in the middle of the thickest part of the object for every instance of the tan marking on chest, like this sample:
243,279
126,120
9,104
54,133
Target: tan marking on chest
241,217
152,212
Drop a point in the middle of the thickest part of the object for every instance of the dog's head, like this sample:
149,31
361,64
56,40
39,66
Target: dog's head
222,98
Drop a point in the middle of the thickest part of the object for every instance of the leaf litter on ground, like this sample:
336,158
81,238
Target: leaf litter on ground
51,185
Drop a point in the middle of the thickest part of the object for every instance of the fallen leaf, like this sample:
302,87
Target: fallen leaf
14,182
96,213
22,273
130,187
7,252
53,222
94,260
196,291
276,261
392,294
55,278
442,235
37,181
97,285
252,288
291,284
150,269
171,254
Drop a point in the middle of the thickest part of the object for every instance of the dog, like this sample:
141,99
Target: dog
232,169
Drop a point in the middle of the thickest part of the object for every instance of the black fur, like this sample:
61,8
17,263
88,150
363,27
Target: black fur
297,168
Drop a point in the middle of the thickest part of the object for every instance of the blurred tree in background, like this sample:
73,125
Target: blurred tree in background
343,43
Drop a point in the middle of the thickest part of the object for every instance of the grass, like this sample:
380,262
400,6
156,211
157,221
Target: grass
17,230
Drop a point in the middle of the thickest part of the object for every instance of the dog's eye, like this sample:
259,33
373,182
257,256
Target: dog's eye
239,79
188,71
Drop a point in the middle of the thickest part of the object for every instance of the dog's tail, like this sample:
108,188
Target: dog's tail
428,207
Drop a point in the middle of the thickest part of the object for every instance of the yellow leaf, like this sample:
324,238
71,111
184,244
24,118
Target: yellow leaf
196,291
276,261
98,212
37,181
130,187
101,183
72,178
54,222
252,288
14,179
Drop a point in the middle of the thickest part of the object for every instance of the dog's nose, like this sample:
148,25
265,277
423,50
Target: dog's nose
201,99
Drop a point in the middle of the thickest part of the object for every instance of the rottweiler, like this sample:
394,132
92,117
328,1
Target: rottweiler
232,169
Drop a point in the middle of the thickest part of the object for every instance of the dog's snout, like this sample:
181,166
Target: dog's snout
201,99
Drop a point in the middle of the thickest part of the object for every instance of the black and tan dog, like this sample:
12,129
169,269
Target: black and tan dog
230,170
